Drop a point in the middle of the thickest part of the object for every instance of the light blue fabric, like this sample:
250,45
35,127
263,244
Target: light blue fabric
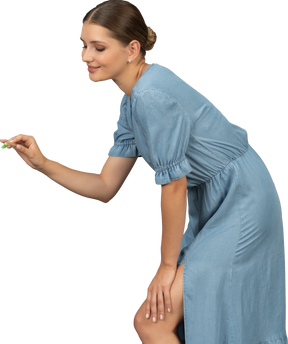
233,246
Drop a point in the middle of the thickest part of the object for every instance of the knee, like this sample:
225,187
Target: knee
135,330
140,325
138,328
138,322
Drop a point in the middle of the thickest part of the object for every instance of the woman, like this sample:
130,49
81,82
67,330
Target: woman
223,281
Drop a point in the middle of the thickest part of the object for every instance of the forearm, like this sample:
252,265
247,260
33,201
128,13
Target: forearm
173,207
89,185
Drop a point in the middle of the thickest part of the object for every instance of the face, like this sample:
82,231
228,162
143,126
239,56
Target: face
108,54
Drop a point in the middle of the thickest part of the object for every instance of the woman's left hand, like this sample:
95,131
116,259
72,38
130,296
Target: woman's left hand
161,284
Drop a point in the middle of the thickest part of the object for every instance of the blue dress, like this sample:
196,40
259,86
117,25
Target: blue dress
233,247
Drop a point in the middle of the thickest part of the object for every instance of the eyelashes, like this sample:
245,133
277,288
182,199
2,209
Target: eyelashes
96,48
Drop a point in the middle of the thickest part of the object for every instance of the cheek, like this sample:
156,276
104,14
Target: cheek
102,57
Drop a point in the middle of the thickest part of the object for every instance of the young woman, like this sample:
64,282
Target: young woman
223,281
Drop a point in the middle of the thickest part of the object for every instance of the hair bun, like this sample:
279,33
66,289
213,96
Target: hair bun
152,39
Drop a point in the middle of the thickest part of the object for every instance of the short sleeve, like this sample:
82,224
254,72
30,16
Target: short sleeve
124,141
163,127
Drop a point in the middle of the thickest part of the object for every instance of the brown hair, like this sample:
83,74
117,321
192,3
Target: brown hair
125,23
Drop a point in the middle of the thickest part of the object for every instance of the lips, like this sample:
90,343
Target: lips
92,67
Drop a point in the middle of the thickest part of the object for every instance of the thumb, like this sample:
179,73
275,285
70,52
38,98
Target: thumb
22,149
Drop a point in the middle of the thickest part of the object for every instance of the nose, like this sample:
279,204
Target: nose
86,57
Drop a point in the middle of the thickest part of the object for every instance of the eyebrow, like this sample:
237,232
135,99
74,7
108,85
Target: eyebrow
92,41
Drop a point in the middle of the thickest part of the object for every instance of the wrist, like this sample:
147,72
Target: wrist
44,166
169,266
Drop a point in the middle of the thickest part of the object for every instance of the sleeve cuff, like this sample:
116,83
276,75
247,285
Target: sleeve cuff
124,150
172,172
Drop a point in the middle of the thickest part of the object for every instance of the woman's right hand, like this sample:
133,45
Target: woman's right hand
29,150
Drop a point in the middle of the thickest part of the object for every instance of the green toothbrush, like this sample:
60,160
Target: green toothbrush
7,144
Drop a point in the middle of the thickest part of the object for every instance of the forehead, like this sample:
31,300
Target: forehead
95,32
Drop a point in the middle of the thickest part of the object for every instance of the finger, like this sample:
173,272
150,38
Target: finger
154,305
4,147
167,298
22,149
160,304
7,148
20,137
148,307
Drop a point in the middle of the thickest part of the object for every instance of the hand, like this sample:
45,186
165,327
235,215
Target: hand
29,150
160,284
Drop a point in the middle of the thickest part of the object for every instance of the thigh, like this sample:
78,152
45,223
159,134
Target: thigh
171,319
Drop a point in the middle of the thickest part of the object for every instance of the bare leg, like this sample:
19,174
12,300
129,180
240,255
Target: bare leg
169,338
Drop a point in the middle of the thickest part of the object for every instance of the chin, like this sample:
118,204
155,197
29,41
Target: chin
97,81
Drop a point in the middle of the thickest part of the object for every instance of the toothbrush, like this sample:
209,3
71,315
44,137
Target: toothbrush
7,144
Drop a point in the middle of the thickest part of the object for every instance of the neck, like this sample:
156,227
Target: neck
130,76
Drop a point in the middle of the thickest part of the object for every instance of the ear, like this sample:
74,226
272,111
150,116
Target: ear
134,49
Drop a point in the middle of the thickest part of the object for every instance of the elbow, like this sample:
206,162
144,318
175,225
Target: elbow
108,203
109,199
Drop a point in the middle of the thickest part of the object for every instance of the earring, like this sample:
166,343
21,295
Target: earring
129,61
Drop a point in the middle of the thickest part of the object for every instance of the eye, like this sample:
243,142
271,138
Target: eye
96,48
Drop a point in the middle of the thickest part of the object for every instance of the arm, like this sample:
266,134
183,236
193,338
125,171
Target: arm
173,206
89,185
102,187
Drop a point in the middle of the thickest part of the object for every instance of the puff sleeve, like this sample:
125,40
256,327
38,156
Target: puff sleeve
163,128
124,141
